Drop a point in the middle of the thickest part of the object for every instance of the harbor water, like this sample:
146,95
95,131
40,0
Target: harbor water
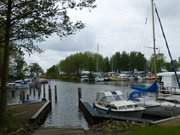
65,112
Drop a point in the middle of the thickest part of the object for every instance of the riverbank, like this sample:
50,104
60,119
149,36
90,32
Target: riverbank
16,120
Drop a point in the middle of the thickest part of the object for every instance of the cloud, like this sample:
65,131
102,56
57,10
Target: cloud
117,25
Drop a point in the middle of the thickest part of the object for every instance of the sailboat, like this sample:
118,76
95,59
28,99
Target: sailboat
99,77
140,94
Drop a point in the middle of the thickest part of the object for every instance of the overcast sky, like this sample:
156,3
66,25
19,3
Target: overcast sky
116,25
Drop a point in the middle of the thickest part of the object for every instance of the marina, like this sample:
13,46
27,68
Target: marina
65,107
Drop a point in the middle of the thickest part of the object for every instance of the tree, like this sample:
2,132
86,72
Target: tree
52,72
22,22
1,59
160,62
17,65
35,70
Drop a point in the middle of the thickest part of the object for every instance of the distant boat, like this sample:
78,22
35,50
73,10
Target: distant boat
84,78
114,103
124,77
99,79
19,84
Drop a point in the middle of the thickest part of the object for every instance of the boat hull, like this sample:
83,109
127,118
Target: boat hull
132,114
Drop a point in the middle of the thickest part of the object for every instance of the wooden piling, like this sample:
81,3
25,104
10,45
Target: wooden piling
30,90
34,92
44,92
49,89
55,93
13,93
23,96
27,97
79,95
39,93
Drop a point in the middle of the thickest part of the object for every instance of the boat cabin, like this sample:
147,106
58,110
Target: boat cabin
169,78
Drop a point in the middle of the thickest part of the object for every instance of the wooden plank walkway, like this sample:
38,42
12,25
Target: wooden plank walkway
59,131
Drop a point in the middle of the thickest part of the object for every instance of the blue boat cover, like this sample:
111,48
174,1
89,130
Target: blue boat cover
134,94
152,88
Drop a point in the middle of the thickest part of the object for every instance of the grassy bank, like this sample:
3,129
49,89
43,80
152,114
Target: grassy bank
16,119
156,130
124,128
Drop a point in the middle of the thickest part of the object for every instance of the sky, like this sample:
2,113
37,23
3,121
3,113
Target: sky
115,25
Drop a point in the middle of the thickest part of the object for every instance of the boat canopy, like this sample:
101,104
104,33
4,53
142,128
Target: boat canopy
100,95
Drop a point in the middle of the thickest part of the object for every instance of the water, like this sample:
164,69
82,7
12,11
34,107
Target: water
65,112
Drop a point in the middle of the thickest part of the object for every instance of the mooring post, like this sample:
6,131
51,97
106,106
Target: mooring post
13,93
44,93
49,89
79,95
55,93
39,93
27,97
30,90
23,96
34,92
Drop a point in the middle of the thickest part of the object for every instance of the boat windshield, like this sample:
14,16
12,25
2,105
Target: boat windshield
112,98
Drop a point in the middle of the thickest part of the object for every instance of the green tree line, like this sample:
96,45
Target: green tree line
73,64
88,61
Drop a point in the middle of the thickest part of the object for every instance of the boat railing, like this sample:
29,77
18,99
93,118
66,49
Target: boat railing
169,90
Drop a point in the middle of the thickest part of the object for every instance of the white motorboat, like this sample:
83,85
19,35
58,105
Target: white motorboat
114,103
21,84
99,79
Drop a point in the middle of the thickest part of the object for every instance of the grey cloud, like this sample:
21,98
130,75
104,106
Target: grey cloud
117,25
81,41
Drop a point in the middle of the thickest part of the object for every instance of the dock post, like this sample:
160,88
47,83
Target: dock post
79,95
30,90
44,93
23,96
55,93
39,93
49,89
27,97
13,93
34,92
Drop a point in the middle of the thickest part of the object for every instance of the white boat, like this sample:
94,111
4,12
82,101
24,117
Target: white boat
114,103
21,84
84,78
99,79
123,77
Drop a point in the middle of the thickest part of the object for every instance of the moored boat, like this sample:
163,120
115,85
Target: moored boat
114,103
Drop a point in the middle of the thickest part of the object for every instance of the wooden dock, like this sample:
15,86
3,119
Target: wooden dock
60,131
94,117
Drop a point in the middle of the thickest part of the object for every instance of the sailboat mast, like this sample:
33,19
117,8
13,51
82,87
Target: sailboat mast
154,35
97,59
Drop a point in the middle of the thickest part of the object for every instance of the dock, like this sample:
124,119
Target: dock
59,131
94,117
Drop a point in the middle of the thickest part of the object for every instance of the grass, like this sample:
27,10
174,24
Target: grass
17,117
123,128
156,130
